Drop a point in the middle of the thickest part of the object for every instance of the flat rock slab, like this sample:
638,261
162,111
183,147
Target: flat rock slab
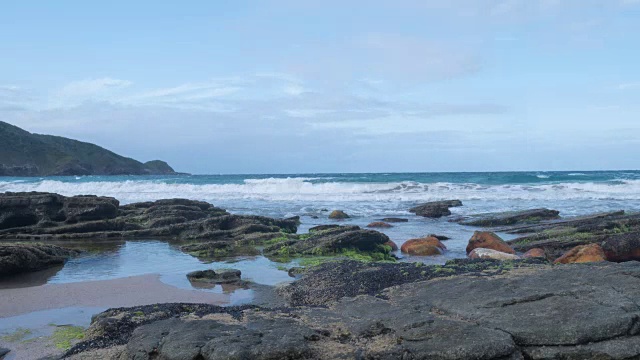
220,276
538,312
24,257
509,218
435,209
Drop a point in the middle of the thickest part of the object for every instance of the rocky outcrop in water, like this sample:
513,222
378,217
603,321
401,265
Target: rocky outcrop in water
338,215
46,216
19,258
583,311
510,218
435,209
332,241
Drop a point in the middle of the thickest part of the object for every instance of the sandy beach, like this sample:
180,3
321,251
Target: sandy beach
137,290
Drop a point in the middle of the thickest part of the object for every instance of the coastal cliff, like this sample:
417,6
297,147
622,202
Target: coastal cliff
25,154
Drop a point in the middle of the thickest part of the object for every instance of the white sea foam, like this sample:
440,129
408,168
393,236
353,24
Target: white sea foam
302,189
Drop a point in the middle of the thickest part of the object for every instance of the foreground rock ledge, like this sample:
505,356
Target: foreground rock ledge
585,311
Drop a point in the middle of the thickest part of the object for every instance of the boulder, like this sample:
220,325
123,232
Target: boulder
435,209
379,224
582,254
482,253
531,216
331,242
427,246
220,276
395,220
323,227
488,240
392,245
19,258
622,247
338,215
534,253
3,352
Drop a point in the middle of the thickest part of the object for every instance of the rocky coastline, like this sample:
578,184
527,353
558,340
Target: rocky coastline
564,288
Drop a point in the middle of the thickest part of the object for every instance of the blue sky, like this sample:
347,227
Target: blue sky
285,86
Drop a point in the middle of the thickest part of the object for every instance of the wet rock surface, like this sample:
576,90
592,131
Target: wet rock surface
582,311
326,283
338,215
24,257
330,242
46,216
510,218
435,209
3,352
559,236
220,276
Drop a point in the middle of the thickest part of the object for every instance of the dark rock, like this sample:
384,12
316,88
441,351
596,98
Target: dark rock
338,215
467,312
379,224
395,220
45,216
331,241
3,352
488,240
510,218
220,276
622,247
323,227
216,250
435,209
326,283
18,258
440,237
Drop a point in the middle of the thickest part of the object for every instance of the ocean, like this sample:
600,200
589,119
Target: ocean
369,197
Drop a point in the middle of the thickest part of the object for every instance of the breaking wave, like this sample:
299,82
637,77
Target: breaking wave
307,189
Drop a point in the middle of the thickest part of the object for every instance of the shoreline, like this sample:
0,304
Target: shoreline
128,291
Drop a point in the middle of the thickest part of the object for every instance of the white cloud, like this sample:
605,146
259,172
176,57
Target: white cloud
629,86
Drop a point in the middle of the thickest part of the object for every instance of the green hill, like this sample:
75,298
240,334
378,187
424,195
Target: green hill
26,154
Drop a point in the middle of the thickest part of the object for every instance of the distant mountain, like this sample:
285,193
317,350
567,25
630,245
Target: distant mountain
25,154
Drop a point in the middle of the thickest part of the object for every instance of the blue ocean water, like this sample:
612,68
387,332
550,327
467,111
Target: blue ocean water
368,196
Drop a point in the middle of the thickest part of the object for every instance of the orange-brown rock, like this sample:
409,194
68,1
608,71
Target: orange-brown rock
482,253
394,246
582,254
534,253
426,246
488,240
379,224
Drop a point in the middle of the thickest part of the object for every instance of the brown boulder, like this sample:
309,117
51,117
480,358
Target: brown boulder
379,224
426,246
393,245
488,240
582,254
534,253
338,215
482,253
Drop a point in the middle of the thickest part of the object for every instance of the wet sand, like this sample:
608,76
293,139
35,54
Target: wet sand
130,291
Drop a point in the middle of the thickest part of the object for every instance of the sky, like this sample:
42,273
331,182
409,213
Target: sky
289,86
